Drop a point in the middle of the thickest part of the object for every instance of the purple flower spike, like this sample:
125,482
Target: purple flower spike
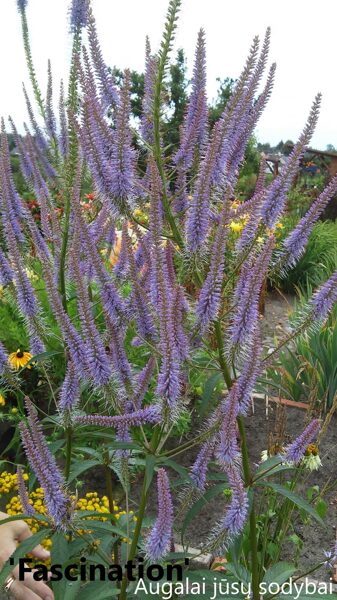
296,450
275,200
251,370
294,244
158,542
63,140
6,273
324,298
122,154
199,211
78,14
45,468
150,414
35,343
143,382
247,293
228,450
120,269
70,391
3,359
139,301
169,376
22,4
147,126
109,94
199,468
237,512
50,115
99,367
23,495
194,131
210,294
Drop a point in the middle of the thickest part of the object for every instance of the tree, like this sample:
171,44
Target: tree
223,94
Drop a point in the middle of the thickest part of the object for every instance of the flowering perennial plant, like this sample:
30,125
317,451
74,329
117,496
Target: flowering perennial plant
129,330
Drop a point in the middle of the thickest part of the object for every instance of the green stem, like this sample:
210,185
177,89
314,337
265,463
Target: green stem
252,517
140,516
222,361
69,443
71,166
30,64
62,276
109,493
246,468
157,150
135,539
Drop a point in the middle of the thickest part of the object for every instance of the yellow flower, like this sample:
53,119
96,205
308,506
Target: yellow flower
312,450
2,400
31,275
260,240
19,359
279,225
236,227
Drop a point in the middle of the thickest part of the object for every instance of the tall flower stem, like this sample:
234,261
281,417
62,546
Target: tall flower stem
252,516
109,493
246,467
140,516
222,360
69,443
157,150
30,64
71,165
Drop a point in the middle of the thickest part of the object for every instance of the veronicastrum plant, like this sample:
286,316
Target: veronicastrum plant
183,297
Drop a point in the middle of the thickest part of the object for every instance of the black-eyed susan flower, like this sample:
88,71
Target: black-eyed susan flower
2,400
19,359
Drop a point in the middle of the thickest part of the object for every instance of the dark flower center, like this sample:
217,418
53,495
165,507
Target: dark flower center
19,354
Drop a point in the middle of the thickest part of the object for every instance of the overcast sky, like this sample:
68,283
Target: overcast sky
303,46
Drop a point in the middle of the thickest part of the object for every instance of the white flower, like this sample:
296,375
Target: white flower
312,462
264,455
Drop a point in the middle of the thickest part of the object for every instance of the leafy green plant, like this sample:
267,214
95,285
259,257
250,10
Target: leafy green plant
309,367
318,261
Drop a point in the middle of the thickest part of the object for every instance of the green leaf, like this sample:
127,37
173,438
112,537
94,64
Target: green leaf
80,467
98,590
240,572
268,465
103,526
72,590
149,469
24,548
209,391
38,358
43,518
272,549
322,508
279,573
300,502
59,555
185,476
